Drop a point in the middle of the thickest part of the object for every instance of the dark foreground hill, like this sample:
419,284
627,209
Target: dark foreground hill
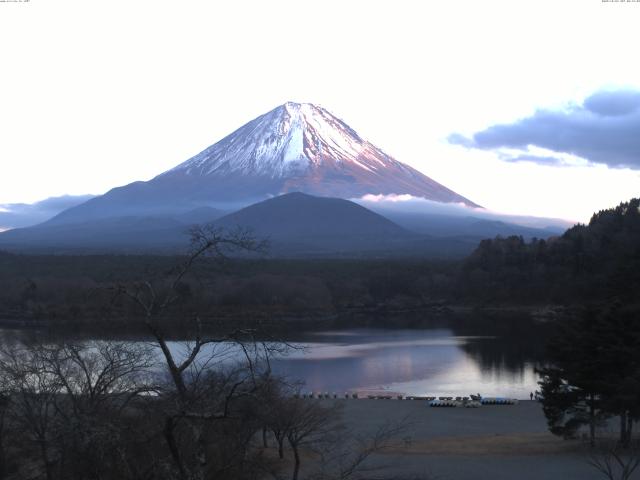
301,223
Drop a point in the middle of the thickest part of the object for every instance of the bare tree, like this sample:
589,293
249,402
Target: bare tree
99,375
308,423
99,381
33,395
315,426
69,400
154,302
190,402
346,455
274,412
615,461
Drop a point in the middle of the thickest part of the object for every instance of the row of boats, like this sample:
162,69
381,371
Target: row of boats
472,401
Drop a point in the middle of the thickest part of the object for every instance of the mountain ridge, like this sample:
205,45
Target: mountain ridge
296,224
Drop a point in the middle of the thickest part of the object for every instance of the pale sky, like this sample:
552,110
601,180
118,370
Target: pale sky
97,94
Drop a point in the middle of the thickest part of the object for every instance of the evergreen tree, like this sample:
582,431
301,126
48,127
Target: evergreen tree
595,373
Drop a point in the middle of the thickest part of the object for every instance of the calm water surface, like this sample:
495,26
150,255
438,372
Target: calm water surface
433,361
409,362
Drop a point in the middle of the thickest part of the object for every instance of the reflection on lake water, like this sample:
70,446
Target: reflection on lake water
410,362
450,360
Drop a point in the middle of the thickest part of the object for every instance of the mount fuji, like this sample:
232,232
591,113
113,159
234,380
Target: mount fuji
294,147
287,175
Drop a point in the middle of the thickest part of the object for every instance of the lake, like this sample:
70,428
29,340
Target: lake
424,362
434,362
438,361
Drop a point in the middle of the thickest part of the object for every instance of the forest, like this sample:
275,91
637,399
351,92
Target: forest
589,263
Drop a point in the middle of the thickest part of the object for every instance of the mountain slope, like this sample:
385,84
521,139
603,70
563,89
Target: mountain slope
296,225
295,147
294,222
128,233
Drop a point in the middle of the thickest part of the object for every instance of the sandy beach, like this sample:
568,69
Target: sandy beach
491,442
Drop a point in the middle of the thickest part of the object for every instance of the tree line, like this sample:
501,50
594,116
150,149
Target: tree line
71,290
598,261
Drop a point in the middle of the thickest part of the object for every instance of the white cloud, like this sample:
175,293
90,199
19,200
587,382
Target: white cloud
410,204
388,198
603,129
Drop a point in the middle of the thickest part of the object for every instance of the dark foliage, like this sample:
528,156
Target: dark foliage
71,290
600,260
595,372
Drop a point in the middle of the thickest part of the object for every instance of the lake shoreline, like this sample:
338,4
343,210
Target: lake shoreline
497,442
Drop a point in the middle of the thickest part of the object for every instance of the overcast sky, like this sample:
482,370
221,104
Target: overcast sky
527,107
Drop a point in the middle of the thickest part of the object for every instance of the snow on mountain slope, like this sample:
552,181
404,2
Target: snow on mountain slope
303,147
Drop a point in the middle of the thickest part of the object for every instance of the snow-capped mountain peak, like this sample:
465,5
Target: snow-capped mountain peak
303,147
287,140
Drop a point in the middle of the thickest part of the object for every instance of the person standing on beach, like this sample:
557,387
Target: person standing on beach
531,395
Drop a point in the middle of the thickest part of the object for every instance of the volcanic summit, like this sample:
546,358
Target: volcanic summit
294,147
